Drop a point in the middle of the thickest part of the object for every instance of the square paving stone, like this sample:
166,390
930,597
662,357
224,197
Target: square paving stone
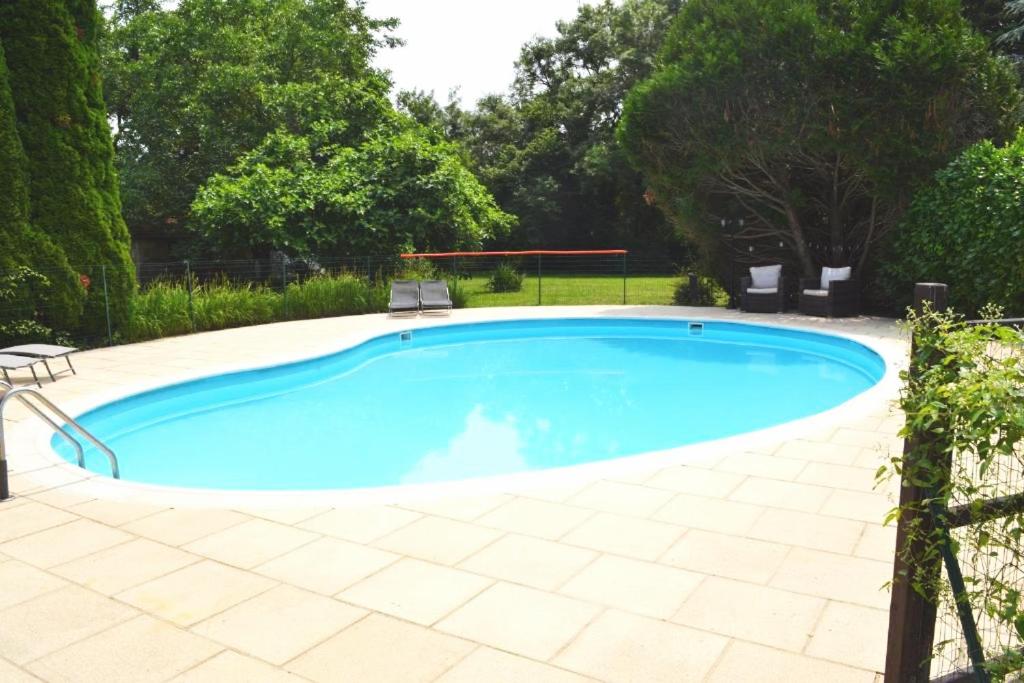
530,561
141,650
196,592
415,590
280,624
653,590
115,569
49,622
383,650
327,565
625,647
520,620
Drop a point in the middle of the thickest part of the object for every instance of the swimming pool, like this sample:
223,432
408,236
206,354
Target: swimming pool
460,401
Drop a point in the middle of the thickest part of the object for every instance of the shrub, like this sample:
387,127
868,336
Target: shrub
708,292
418,269
965,230
964,426
324,296
505,278
222,304
162,310
159,311
21,292
459,295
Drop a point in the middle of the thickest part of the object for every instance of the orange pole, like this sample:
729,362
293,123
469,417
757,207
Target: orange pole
533,252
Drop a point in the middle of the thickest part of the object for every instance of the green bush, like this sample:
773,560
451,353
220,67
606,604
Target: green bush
459,295
162,310
324,296
966,230
159,311
708,292
505,278
418,269
21,290
964,425
220,305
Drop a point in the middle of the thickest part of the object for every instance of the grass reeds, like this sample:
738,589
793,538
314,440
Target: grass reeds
323,296
163,309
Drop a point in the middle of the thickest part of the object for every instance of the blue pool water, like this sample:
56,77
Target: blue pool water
471,400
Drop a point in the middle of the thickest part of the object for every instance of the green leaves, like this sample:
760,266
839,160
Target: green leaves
813,121
314,194
548,151
965,229
964,404
196,87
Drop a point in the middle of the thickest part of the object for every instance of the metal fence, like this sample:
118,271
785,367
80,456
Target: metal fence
542,280
942,637
966,640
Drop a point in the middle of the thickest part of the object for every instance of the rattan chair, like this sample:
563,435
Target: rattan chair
771,299
840,299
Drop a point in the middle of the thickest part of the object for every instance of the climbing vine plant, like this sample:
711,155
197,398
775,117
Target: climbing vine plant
963,397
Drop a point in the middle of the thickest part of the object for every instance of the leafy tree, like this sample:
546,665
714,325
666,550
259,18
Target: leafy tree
548,151
812,121
965,229
319,193
52,56
448,120
195,88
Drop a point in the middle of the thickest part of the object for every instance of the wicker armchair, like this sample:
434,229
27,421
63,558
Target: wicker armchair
840,300
761,302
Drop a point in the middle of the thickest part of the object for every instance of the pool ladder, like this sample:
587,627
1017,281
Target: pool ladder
26,395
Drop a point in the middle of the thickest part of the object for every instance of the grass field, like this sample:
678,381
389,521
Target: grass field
574,290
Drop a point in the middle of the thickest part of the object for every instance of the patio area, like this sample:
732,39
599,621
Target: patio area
762,560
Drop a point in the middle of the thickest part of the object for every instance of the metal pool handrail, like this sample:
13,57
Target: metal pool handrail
23,394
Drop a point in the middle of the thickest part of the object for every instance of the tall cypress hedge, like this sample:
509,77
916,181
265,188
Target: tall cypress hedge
52,57
23,245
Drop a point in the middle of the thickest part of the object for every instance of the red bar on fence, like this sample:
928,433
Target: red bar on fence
534,252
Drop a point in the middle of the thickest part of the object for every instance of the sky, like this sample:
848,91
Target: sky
469,44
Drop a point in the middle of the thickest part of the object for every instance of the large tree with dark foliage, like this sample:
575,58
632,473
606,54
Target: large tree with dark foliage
812,121
548,150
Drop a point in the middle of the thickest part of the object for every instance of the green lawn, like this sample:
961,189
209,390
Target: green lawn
570,290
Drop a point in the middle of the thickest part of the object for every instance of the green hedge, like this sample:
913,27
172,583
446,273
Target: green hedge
163,309
21,244
966,230
51,52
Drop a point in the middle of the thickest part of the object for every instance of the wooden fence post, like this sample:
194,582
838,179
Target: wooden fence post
911,615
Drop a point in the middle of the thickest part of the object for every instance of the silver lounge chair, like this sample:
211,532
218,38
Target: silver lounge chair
434,297
11,362
405,298
43,352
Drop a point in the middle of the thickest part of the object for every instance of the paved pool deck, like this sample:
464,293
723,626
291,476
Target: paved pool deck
763,559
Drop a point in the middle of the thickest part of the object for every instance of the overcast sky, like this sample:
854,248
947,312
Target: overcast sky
470,44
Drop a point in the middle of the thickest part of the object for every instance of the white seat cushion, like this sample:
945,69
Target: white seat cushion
834,274
816,292
762,290
765,277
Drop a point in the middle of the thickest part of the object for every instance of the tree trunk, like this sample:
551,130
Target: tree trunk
835,219
797,232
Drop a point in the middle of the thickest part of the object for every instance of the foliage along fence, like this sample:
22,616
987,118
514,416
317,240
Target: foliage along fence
181,297
956,612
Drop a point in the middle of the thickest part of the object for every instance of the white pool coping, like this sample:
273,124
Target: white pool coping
31,438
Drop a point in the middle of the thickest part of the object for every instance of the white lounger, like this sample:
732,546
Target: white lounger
11,362
43,352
